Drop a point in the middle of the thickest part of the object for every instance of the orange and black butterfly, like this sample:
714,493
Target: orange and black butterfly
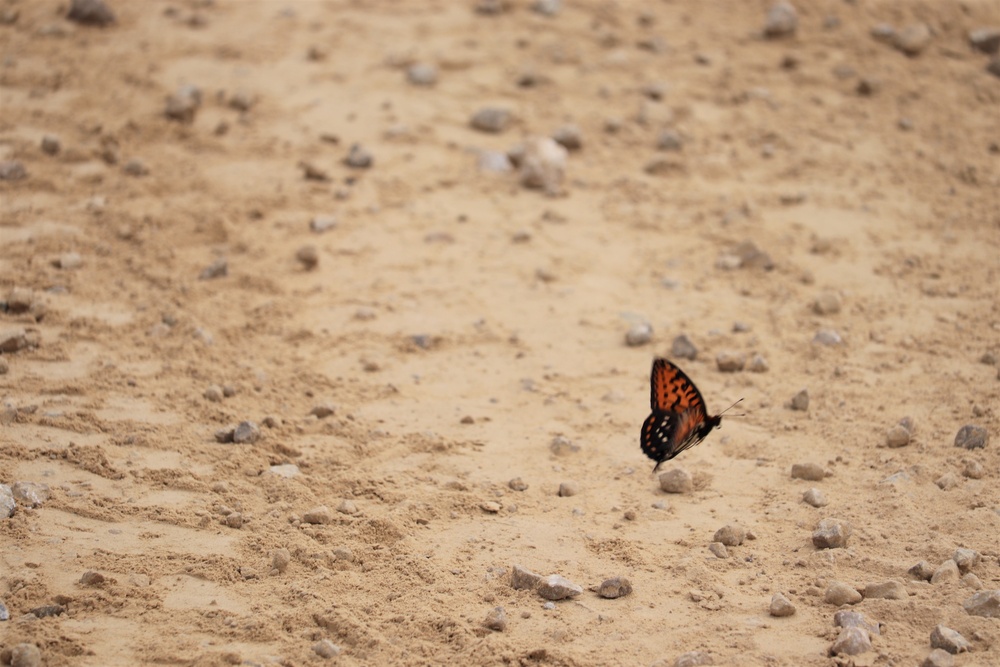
679,420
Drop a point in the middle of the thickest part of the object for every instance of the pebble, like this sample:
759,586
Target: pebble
567,489
683,348
563,446
323,410
971,436
347,506
313,172
854,619
287,470
639,334
4,612
815,497
280,559
490,506
7,503
25,655
318,515
831,534
135,167
214,393
322,223
730,362
897,436
938,658
947,571
947,481
718,549
950,640
972,581
344,554
965,559
547,7
359,157
983,603
886,590
183,104
730,535
670,140
69,261
557,587
851,641
615,587
543,165
973,470
780,606
91,12
246,433
217,269
422,74
517,484
827,303
569,137
234,520
800,401
758,364
677,480
496,620
752,257
868,86
308,257
12,170
326,649
781,20
922,570
51,145
694,659
522,578
986,40
913,39
224,435
812,472
242,100
839,593
827,337
91,578
30,494
491,119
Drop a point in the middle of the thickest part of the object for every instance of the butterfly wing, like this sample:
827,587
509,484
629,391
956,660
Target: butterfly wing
672,391
679,419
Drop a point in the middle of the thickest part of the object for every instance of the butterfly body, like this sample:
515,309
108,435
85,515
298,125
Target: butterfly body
679,419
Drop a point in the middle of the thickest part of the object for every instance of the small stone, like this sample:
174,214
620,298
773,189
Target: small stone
326,649
913,39
831,534
639,334
886,590
323,410
971,436
522,578
853,619
308,257
812,472
947,571
670,140
7,503
718,549
4,612
214,393
897,436
800,401
947,481
224,435
246,433
517,484
973,470
922,570
677,480
234,520
569,137
567,489
347,507
287,470
313,172
25,655
280,558
950,640
730,535
318,515
228,391
966,559
359,157
217,269
630,515
422,74
491,119
752,257
986,40
827,337
490,506
983,603
563,446
868,86
135,167
183,104
12,170
69,261
694,659
91,12
851,641
683,348
840,593
730,362
758,364
909,424
780,606
938,658
92,578
543,165
51,145
322,223
615,587
781,20
344,554
815,497
30,494
556,587
496,620
827,303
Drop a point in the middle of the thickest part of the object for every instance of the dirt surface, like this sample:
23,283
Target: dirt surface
466,330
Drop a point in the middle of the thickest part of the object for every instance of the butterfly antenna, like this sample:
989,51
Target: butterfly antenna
741,414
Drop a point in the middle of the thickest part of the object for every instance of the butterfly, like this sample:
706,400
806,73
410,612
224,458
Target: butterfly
679,420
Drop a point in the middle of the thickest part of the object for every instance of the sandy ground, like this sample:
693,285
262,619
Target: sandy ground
466,330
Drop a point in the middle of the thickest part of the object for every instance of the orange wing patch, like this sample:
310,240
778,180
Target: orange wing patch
672,390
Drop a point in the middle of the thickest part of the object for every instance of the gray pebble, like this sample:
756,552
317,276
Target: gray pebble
323,410
547,7
214,393
344,554
7,503
12,170
886,590
30,494
827,303
326,649
359,157
522,578
983,603
831,534
800,401
827,337
25,655
694,659
758,364
950,640
677,480
853,619
549,606
569,137
491,119
868,86
947,571
517,484
347,507
246,433
224,435
780,606
639,334
897,436
973,470
839,593
730,535
567,489
51,145
422,74
913,39
217,269
135,167
183,104
947,481
557,587
322,223
563,446
280,559
815,497
91,12
308,257
971,436
683,348
986,40
718,549
91,578
883,32
812,472
543,165
670,140
496,620
4,612
234,520
730,362
938,658
851,641
972,581
615,587
781,20
965,559
318,515
922,570
909,424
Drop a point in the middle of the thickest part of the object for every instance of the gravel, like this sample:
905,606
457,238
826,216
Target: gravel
683,348
851,641
897,436
886,590
615,587
308,256
246,433
326,649
322,223
569,137
838,593
12,170
812,472
7,502
30,494
718,549
986,40
567,489
781,21
359,157
422,74
853,619
557,587
938,658
827,303
983,603
800,401
677,480
91,12
950,640
639,334
913,39
758,364
491,119
319,515
971,436
25,655
496,620
517,484
815,497
280,559
780,606
831,534
522,578
965,559
730,535
730,362
183,104
543,165
947,571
